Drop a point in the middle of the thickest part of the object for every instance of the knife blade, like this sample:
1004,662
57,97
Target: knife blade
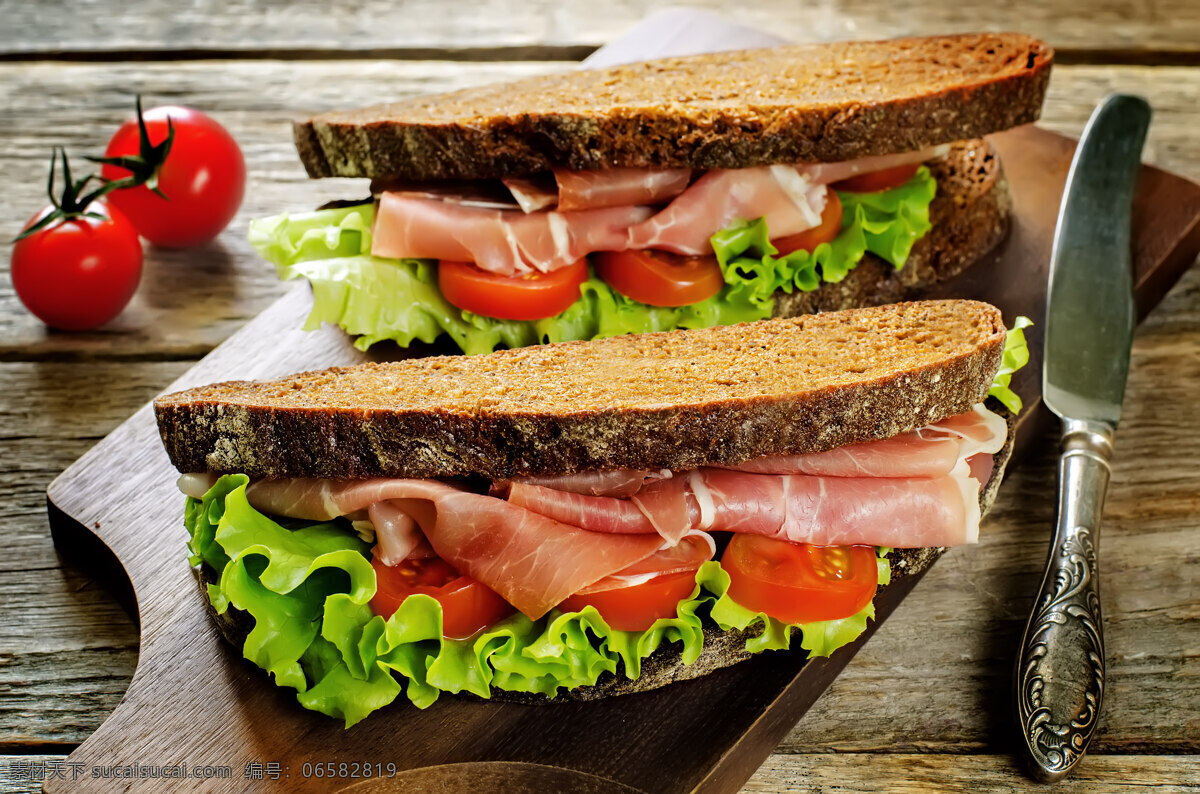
1090,315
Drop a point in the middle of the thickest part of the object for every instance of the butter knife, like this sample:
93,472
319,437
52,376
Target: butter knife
1059,677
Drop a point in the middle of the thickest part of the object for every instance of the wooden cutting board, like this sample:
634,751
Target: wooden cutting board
194,700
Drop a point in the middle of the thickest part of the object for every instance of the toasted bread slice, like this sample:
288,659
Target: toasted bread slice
823,102
668,400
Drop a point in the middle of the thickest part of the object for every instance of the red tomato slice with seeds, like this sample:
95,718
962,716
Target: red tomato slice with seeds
467,604
526,297
799,582
659,278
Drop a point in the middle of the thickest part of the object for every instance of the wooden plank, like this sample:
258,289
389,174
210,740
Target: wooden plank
915,774
827,772
68,648
23,774
496,28
191,300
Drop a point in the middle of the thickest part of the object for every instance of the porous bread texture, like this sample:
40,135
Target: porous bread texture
969,216
809,103
675,400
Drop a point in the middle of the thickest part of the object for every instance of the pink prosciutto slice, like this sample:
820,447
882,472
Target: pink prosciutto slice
609,482
610,187
614,187
397,535
931,451
789,201
832,511
688,555
534,562
825,173
593,513
508,242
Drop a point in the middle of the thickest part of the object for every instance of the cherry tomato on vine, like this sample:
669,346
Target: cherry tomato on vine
467,604
194,184
78,261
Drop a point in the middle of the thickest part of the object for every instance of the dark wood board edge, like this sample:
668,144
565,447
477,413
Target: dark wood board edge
740,761
1161,258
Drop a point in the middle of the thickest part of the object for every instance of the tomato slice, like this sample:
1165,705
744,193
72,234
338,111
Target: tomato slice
467,605
874,181
636,608
526,297
799,582
659,278
831,224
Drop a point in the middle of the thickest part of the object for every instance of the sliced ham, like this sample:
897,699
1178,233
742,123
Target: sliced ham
397,535
789,201
670,507
614,187
533,193
825,173
534,562
689,554
508,242
593,513
605,210
610,482
586,190
842,511
931,451
918,489
835,511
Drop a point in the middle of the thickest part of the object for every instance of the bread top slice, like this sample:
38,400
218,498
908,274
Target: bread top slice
822,102
676,400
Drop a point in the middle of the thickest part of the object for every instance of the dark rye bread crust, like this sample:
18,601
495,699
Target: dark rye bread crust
670,400
823,102
969,216
665,666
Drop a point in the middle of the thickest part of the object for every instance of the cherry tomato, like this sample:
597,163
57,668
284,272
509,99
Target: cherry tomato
660,278
203,178
78,273
467,605
877,180
528,297
830,225
636,608
798,582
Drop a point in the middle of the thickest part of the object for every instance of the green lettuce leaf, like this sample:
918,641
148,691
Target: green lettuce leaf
886,223
376,299
308,589
1016,355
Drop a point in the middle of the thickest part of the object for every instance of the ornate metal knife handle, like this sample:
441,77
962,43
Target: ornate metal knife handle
1060,669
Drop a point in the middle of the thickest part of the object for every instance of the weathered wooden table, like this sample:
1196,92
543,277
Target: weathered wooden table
925,706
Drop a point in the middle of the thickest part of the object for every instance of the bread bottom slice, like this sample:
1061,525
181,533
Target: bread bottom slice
721,648
969,217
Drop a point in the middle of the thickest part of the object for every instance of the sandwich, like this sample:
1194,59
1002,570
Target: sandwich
679,193
585,519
